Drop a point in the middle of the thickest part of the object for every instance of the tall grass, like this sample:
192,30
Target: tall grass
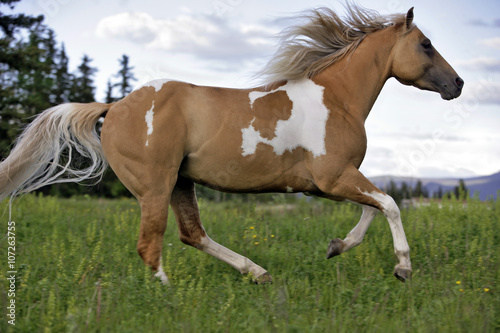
78,270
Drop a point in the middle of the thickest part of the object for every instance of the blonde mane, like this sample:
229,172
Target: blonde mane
325,38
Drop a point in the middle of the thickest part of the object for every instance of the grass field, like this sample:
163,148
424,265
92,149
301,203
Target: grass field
78,270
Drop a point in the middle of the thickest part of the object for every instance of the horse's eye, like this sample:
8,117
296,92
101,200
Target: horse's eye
426,44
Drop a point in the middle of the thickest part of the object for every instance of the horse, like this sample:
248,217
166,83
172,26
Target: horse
302,131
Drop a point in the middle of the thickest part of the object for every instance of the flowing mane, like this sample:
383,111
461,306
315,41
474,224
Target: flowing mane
325,38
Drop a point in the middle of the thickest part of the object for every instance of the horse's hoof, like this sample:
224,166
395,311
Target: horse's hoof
264,278
163,277
402,274
335,248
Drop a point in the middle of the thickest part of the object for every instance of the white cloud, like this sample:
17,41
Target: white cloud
481,63
492,42
486,91
135,27
204,36
406,156
485,23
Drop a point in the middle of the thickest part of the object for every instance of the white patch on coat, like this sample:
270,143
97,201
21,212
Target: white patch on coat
289,189
149,121
251,138
254,95
157,84
306,126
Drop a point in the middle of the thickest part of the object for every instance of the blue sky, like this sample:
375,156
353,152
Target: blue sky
224,42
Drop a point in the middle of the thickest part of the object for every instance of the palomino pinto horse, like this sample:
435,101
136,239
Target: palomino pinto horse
301,132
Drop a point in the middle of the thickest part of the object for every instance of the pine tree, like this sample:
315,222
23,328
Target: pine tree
461,192
109,93
20,59
394,192
63,79
420,191
82,90
405,193
10,24
37,80
126,76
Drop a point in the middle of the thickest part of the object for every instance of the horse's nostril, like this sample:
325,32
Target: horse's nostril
459,82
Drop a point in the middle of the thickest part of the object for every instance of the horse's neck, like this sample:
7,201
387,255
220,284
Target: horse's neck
355,82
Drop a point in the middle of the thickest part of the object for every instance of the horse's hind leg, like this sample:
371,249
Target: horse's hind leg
154,215
154,200
191,232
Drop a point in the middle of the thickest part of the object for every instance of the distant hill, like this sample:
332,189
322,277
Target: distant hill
486,186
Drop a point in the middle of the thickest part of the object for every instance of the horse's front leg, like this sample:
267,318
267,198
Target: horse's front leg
353,186
355,236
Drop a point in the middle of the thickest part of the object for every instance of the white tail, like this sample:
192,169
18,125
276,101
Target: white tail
35,160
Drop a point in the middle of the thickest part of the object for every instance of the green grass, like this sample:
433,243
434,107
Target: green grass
78,270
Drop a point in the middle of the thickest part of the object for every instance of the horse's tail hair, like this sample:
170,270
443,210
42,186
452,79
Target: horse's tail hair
44,153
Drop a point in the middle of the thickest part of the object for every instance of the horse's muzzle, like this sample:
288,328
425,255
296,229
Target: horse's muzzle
453,90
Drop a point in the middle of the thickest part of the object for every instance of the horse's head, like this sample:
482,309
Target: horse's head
416,62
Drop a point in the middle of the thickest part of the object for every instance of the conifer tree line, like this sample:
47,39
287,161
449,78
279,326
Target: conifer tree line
34,76
405,191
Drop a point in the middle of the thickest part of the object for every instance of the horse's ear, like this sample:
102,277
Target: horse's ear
409,18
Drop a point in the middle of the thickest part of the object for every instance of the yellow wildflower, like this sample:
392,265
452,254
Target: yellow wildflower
458,282
256,243
254,236
486,290
252,228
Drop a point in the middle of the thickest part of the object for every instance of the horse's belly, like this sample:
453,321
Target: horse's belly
256,173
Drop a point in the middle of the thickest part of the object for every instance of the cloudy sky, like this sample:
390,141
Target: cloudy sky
224,42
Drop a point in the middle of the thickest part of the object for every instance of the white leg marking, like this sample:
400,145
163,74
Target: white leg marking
161,274
392,213
355,237
239,262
